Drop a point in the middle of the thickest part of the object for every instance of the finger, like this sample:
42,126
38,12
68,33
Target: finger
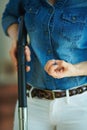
13,57
61,63
61,70
15,67
27,68
49,64
27,53
59,75
55,72
52,69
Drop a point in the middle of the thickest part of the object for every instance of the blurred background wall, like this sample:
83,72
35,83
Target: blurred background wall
8,80
6,67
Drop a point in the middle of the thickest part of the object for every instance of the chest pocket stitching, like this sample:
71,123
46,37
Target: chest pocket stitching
32,10
74,18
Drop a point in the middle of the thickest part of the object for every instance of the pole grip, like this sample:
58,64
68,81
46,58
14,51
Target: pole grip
22,40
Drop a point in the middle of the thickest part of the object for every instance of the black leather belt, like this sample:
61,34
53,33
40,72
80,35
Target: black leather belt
50,95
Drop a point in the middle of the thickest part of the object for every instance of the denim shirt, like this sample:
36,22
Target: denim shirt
56,32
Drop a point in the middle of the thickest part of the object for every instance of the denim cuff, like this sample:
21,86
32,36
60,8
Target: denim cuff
7,21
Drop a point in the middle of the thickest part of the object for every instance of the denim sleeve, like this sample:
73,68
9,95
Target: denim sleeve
13,10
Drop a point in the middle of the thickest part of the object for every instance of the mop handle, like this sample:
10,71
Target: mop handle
22,98
21,63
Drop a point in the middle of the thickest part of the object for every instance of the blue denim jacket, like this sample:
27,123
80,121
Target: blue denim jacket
56,32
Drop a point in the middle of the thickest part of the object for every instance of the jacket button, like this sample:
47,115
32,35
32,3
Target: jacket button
74,18
49,51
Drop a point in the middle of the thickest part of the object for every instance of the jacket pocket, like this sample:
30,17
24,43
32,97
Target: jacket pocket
31,14
74,24
74,18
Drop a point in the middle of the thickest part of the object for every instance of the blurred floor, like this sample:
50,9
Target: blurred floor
8,97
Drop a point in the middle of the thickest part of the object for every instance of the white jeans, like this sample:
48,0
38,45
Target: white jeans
68,113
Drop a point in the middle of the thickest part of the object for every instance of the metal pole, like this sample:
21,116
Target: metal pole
22,98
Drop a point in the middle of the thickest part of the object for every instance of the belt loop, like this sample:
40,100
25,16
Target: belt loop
53,94
67,97
30,91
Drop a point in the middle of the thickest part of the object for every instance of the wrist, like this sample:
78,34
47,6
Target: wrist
13,32
79,71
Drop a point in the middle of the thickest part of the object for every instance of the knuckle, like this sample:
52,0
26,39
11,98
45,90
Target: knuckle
50,72
61,62
49,61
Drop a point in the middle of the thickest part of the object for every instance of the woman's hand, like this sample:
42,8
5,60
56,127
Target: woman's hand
13,54
60,69
13,34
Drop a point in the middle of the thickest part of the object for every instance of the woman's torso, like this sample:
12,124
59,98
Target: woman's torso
56,32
